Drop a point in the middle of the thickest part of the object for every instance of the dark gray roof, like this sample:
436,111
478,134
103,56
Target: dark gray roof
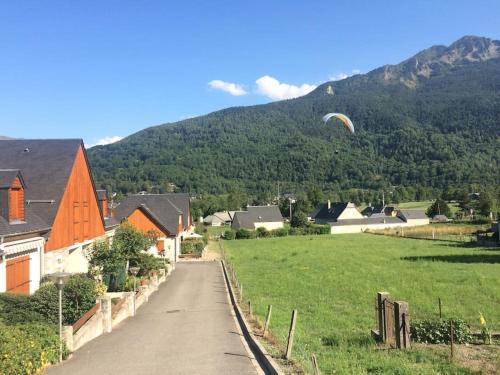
32,223
256,214
7,176
158,206
369,220
45,166
102,194
324,213
412,214
181,201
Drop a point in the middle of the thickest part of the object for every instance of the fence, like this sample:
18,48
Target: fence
393,321
451,233
232,277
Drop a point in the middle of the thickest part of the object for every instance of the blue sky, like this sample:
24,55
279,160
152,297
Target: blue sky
98,69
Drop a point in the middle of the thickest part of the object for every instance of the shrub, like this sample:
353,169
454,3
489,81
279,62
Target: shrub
229,234
262,232
243,234
15,309
147,263
79,296
192,246
27,348
299,219
295,231
438,331
281,232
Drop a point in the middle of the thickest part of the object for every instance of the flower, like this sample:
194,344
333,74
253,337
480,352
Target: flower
481,319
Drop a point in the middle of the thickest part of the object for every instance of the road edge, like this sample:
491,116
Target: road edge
265,360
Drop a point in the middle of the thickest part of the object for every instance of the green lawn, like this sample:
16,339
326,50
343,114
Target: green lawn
333,281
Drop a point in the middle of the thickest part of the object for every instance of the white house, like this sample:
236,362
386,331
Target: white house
268,217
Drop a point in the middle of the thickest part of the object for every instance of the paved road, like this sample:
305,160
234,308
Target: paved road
187,327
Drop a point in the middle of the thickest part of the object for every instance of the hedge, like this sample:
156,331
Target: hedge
27,348
193,246
311,229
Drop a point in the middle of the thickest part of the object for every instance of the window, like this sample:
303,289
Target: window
16,201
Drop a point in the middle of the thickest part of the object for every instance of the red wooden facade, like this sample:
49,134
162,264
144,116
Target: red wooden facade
78,217
142,222
16,200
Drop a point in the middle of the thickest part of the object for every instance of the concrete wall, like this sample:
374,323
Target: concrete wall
269,225
417,222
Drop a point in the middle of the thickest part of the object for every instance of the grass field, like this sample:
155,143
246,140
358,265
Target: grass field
333,281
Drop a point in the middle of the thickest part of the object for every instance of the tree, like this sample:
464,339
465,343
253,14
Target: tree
299,219
439,207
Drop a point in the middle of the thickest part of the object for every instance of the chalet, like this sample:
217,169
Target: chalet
166,214
49,211
327,212
268,217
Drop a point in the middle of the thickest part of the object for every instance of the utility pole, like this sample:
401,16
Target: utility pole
290,201
383,198
278,191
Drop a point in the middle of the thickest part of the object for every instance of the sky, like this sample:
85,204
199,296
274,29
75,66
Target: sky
101,70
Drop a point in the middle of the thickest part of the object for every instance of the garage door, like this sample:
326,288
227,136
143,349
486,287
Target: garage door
18,275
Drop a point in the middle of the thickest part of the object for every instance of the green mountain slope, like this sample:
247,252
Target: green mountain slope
432,121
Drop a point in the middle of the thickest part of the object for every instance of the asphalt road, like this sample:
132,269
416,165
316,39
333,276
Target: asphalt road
188,327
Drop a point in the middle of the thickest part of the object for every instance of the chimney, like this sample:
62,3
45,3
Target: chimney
329,204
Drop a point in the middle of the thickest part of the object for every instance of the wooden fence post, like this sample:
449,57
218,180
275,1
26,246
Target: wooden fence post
291,334
249,308
402,323
315,366
268,320
241,292
381,297
451,338
440,310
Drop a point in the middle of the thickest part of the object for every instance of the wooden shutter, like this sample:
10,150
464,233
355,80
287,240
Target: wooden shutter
18,275
76,222
86,218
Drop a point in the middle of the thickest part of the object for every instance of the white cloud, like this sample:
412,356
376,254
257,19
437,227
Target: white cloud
229,87
343,75
106,141
274,89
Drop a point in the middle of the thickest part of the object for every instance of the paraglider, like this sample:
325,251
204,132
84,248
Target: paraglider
347,122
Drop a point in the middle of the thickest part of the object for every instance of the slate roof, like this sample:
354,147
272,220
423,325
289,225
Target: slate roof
322,211
412,214
7,176
256,214
45,166
158,206
31,224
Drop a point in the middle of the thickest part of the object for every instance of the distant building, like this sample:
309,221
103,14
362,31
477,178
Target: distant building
166,214
268,217
440,219
345,217
218,219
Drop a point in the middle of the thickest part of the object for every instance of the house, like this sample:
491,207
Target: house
110,223
345,217
268,217
218,219
378,209
166,214
326,213
440,219
50,213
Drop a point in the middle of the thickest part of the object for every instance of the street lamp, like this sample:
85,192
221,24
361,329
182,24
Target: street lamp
59,279
134,271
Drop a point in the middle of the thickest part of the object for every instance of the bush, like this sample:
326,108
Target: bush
262,232
192,246
229,234
244,234
147,263
281,232
438,331
27,348
79,296
15,309
299,219
295,231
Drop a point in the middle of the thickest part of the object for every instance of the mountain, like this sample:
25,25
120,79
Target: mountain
427,124
4,137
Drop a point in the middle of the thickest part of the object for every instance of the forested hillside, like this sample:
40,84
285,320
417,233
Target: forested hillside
428,124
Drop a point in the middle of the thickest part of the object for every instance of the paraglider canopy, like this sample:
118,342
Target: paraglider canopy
347,122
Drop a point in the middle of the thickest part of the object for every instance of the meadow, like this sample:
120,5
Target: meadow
333,281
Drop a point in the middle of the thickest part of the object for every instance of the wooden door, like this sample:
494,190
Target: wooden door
18,275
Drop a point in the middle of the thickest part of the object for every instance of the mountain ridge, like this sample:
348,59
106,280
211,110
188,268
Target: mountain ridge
413,130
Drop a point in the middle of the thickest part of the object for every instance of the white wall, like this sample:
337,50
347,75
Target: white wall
269,225
350,212
341,229
169,245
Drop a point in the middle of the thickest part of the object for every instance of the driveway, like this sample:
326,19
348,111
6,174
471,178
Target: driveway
188,327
